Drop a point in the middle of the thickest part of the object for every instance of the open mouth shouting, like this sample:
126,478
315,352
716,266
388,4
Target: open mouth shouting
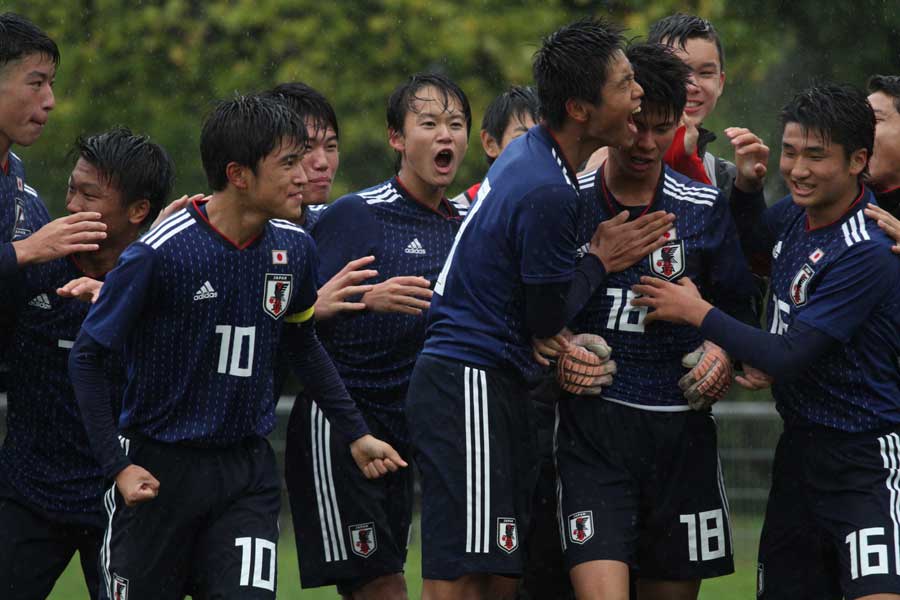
443,161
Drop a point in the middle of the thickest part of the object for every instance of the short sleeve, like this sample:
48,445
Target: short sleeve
125,291
544,229
850,289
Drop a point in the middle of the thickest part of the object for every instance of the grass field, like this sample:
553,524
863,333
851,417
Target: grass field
740,585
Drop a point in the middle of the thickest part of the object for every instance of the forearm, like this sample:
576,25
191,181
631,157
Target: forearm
550,307
784,357
92,392
320,378
748,209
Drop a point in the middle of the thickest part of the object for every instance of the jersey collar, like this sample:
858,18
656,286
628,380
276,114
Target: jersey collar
543,132
612,204
863,192
448,211
197,209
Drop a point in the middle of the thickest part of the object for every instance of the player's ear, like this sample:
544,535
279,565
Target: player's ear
491,146
238,175
397,140
577,110
859,158
138,211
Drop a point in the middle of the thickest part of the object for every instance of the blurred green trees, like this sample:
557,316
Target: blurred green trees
155,65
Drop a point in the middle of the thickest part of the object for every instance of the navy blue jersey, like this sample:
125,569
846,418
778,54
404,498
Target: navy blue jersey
702,245
841,279
375,352
311,215
198,320
46,456
21,213
520,231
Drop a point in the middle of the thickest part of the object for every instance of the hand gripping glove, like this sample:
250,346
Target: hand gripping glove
586,368
709,377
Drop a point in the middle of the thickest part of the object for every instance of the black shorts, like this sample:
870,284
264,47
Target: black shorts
349,530
545,575
212,531
472,432
36,547
644,488
832,527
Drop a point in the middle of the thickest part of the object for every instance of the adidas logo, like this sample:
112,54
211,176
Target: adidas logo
206,292
41,301
415,247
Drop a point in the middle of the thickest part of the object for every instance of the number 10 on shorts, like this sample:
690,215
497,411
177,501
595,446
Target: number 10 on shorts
712,527
262,551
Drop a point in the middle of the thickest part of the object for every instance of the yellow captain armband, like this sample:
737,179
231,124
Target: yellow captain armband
301,317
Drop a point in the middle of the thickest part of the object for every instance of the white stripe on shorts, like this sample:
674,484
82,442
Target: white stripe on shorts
478,462
890,458
326,494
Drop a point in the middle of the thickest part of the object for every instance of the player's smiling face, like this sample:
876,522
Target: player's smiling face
89,190
26,99
707,77
320,162
612,120
643,158
277,187
818,172
884,168
433,141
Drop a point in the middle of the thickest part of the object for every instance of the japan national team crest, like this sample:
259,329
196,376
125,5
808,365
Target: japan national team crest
581,526
507,535
277,294
120,588
362,539
800,284
668,261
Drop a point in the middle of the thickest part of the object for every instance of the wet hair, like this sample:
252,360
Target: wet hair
245,130
20,38
137,167
573,63
839,113
515,103
403,98
663,76
680,28
888,85
312,106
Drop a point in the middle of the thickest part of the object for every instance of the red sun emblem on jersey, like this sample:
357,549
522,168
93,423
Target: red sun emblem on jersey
668,261
277,295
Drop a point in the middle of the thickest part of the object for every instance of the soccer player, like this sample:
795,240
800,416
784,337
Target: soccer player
352,532
638,469
831,524
509,116
507,278
51,486
884,167
28,62
698,43
198,306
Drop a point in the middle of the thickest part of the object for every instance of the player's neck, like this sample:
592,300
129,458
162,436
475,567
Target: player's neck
99,263
422,191
629,190
575,146
234,217
824,215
